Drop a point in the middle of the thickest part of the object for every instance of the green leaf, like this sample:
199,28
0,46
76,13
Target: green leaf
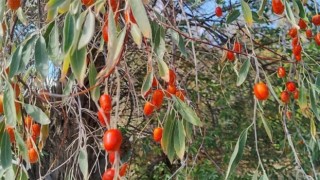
26,53
313,129
302,101
179,41
140,15
232,16
247,14
302,12
112,30
83,162
168,132
9,106
237,153
95,92
266,127
15,61
22,17
54,46
2,9
68,88
188,129
262,7
21,145
87,30
41,57
147,83
289,14
68,30
79,64
314,103
136,35
78,30
10,175
6,156
243,72
55,3
186,112
37,114
179,139
163,70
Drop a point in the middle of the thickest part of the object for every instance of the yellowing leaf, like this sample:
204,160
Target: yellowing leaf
247,14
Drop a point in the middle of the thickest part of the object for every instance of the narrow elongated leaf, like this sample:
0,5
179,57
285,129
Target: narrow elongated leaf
78,30
37,114
163,70
83,162
188,129
266,127
87,30
313,129
147,83
247,14
41,57
21,145
302,12
186,112
243,72
302,101
237,153
9,175
314,104
8,106
26,53
112,30
78,64
168,132
262,7
136,35
170,149
140,15
6,156
179,41
290,15
68,30
15,61
95,92
232,16
2,9
22,17
318,81
179,139
54,45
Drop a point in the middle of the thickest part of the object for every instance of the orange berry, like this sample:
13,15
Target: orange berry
293,32
157,98
36,130
172,77
281,72
316,19
128,16
171,89
112,157
237,47
29,143
1,104
296,94
297,50
277,7
157,134
309,33
108,174
123,169
148,109
33,155
295,41
291,86
10,131
87,2
317,39
261,91
105,35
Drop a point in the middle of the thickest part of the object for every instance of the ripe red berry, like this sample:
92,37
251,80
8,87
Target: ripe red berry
87,2
13,4
291,86
108,174
171,89
112,140
105,31
295,41
316,19
128,16
157,98
285,97
302,24
148,109
277,7
154,82
157,134
10,131
297,50
230,56
309,33
112,157
296,94
123,169
101,118
298,57
172,77
237,47
36,130
33,155
281,72
218,11
105,102
317,39
261,91
293,32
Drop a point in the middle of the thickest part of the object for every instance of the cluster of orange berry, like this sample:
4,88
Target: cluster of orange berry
290,88
236,48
